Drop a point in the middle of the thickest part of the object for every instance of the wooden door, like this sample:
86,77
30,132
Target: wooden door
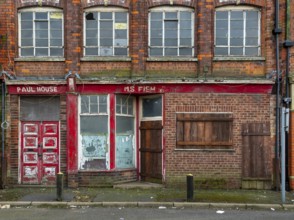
39,152
151,151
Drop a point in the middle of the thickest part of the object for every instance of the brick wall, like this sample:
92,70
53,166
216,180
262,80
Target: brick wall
214,168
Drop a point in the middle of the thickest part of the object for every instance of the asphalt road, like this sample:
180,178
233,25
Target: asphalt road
120,213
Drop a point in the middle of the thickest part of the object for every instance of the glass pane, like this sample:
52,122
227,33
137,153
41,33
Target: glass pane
171,42
251,32
56,24
251,24
42,34
185,52
27,34
56,52
236,51
120,51
221,41
91,33
236,33
85,104
156,33
28,16
105,15
91,24
94,124
171,51
156,25
253,41
236,15
171,15
27,52
221,51
251,51
106,42
155,42
223,24
186,33
106,51
185,15
185,24
156,15
121,42
124,156
106,33
252,15
91,42
91,51
56,34
124,124
106,25
42,52
121,34
186,42
237,24
236,42
41,25
171,25
27,42
152,107
27,25
41,15
221,15
171,33
103,104
121,17
42,42
156,51
93,104
221,32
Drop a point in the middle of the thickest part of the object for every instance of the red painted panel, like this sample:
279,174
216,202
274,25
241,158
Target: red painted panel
176,88
72,132
112,131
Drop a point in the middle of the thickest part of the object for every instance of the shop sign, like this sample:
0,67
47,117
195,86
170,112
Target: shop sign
34,89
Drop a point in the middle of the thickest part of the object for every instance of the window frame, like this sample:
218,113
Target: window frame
98,10
204,118
35,10
164,10
230,9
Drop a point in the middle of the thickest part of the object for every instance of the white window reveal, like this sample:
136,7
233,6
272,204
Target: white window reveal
94,133
171,31
125,132
106,32
41,32
237,31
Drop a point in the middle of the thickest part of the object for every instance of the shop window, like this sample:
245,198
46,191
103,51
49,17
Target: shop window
204,130
171,31
94,134
125,132
106,32
40,32
237,31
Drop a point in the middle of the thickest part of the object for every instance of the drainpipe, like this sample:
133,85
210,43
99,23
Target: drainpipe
3,136
287,44
277,31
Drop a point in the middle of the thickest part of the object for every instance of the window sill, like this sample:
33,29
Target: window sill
108,59
40,59
238,59
173,59
204,150
108,171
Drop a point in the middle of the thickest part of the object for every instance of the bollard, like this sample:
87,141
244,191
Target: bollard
190,188
59,186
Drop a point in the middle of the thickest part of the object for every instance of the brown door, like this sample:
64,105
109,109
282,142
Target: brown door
39,152
151,151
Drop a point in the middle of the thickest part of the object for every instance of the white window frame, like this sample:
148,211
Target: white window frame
99,10
34,10
244,46
154,118
163,47
107,156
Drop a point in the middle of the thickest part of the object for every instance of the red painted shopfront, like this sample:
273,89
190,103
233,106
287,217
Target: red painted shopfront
116,132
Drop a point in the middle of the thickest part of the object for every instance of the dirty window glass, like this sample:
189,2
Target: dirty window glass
152,107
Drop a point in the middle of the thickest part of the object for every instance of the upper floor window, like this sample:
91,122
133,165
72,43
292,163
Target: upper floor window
171,31
237,31
41,32
106,32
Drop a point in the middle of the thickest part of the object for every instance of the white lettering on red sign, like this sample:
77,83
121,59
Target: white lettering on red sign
141,89
38,89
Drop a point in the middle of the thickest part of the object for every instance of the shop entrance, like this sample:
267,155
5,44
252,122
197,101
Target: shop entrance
151,139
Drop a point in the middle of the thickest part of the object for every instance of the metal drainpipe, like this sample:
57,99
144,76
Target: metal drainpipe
287,44
276,32
3,136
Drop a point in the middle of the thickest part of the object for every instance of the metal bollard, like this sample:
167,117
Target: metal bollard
59,186
190,188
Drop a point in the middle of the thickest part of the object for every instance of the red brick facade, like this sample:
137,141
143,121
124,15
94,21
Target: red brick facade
211,168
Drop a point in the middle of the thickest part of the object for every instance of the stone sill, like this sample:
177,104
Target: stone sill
108,59
204,150
40,59
238,59
172,59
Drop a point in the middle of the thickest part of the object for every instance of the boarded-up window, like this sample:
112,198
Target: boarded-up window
204,130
